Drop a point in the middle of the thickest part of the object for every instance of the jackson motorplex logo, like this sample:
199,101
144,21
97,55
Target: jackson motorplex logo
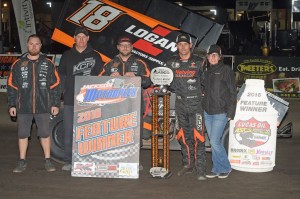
112,91
97,15
252,133
256,67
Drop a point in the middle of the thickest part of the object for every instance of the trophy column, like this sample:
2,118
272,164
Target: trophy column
161,77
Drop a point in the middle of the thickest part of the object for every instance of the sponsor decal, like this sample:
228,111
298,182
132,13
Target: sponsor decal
256,66
269,163
246,162
113,91
233,161
233,150
199,122
106,168
185,73
255,163
252,133
84,167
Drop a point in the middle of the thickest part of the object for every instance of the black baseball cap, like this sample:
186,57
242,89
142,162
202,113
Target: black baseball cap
214,49
184,38
124,38
81,30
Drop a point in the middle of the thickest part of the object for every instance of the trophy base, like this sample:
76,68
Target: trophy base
160,172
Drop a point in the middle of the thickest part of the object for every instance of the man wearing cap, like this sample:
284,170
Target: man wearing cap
80,60
126,64
219,106
188,73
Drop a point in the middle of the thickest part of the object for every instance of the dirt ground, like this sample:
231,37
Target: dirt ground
36,183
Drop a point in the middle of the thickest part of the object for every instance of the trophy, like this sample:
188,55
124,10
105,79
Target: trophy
161,78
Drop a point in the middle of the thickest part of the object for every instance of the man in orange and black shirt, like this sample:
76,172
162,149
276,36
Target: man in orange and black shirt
33,91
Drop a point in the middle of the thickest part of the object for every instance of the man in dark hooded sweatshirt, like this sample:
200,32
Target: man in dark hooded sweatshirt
80,60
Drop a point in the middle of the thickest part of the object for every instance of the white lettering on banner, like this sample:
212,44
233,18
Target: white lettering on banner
148,57
140,54
95,16
295,69
151,37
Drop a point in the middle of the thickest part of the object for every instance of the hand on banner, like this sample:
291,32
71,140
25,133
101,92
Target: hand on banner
54,110
129,74
115,74
13,111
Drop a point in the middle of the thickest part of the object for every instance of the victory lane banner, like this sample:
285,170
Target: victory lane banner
153,40
106,131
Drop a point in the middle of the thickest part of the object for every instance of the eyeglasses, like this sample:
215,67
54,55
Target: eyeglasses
125,45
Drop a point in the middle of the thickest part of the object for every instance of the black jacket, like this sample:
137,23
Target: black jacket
133,64
219,90
33,86
73,63
188,75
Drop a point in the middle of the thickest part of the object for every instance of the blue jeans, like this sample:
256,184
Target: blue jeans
215,125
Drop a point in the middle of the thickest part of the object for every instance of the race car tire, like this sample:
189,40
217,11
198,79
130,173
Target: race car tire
56,134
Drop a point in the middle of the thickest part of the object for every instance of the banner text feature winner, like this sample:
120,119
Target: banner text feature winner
281,74
106,132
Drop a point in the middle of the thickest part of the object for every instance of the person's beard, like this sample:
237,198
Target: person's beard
33,53
125,54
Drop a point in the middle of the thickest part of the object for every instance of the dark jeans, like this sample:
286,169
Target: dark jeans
68,135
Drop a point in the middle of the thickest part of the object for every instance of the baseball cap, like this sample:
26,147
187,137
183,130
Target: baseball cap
124,39
214,49
81,30
184,38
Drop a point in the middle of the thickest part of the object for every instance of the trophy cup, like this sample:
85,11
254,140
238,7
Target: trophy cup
161,78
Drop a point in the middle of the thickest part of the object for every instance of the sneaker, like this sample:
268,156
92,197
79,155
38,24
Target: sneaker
21,166
223,175
185,170
212,175
67,167
201,177
48,165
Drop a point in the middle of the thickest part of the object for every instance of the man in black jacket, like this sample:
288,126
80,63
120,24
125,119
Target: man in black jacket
80,60
188,70
33,92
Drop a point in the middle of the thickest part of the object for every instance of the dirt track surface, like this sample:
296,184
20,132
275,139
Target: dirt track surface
36,183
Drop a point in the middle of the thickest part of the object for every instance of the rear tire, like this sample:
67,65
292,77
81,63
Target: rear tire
56,134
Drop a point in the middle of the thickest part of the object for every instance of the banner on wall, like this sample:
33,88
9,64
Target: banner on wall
280,74
25,21
106,132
